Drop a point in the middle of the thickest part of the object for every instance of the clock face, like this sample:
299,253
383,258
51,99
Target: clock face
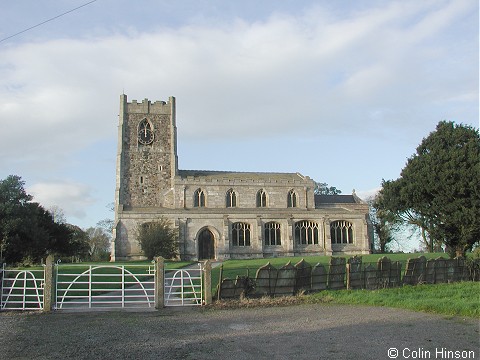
145,133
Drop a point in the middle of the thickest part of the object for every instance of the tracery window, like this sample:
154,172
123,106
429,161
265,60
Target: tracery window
240,234
306,232
199,198
145,132
341,232
272,234
261,198
231,198
291,199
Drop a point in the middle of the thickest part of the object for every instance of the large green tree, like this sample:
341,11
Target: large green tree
439,188
158,238
383,223
28,232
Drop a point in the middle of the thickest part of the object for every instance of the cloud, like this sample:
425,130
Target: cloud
71,197
389,71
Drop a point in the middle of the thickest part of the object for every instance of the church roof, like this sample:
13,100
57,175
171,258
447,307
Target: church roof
336,199
231,175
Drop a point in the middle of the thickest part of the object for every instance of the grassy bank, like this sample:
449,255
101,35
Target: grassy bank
456,299
459,299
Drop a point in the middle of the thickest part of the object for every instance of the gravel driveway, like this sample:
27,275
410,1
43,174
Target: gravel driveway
294,332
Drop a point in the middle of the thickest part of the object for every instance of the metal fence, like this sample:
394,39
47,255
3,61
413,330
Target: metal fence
104,286
21,289
184,287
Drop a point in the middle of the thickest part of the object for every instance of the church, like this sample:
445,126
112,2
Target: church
222,214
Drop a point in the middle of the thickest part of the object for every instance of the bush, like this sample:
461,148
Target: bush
158,238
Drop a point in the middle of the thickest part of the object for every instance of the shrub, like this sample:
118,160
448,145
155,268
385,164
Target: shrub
158,238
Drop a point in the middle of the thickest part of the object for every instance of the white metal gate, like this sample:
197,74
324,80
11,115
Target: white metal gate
105,286
184,287
22,289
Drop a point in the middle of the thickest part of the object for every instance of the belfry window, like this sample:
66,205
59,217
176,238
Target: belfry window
261,198
272,234
199,198
306,232
291,199
240,234
231,199
145,132
341,232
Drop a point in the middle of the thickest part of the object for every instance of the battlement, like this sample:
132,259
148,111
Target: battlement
242,178
147,107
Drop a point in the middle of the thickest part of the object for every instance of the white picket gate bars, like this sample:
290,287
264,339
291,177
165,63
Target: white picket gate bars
83,287
105,286
184,287
21,289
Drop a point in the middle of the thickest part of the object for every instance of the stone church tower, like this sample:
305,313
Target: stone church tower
147,153
222,214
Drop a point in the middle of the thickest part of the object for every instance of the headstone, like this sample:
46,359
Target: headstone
336,273
286,279
384,266
440,270
265,280
303,276
415,271
430,272
354,273
227,289
319,277
396,274
370,277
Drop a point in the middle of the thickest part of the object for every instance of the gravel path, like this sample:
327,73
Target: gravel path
294,332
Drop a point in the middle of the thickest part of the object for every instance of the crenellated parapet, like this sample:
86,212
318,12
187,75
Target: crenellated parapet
147,107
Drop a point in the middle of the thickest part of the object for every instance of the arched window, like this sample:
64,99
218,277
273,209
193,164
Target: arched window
306,232
272,235
240,234
261,198
291,199
199,198
341,232
145,132
231,199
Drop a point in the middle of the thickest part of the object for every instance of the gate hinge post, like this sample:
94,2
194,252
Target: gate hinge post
208,282
159,282
48,293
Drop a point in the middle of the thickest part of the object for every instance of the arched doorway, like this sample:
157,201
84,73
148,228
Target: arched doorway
206,245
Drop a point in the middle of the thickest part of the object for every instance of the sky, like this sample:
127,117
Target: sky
341,91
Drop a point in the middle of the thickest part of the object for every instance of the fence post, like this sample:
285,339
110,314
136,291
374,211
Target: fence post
48,287
208,282
159,282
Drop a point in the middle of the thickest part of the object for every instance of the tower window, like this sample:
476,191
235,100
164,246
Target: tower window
145,132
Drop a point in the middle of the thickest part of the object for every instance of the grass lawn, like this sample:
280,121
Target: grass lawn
457,299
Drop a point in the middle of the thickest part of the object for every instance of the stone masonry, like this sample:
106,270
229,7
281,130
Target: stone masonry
222,214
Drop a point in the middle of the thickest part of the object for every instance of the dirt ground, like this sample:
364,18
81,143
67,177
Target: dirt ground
293,332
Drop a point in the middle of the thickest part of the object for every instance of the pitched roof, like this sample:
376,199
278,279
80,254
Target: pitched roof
335,199
221,175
